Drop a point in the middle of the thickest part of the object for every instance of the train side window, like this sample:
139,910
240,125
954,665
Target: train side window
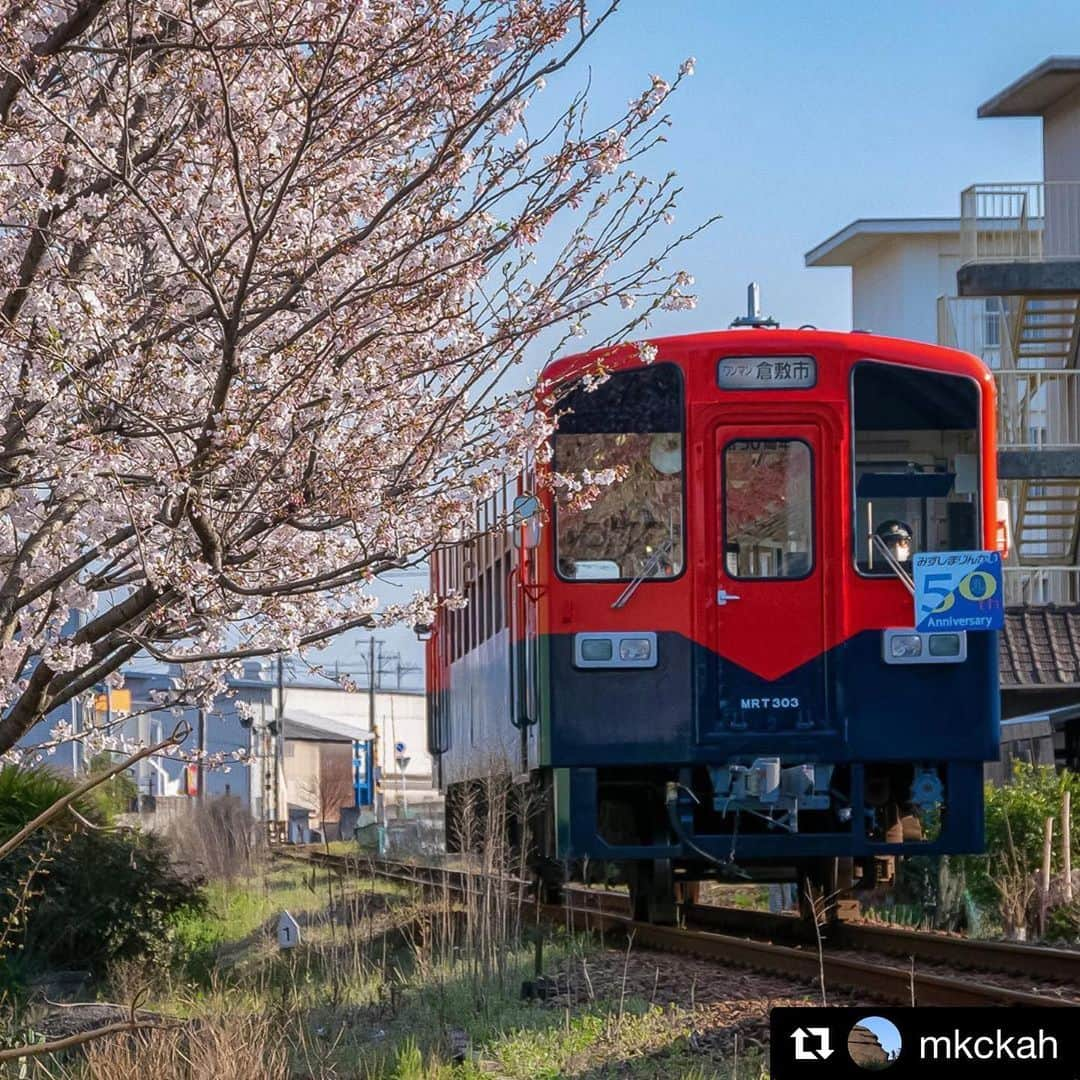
619,477
915,463
489,602
498,587
768,508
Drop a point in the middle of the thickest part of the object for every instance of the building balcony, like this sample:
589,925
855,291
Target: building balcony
977,325
1038,409
1020,239
1035,586
1038,396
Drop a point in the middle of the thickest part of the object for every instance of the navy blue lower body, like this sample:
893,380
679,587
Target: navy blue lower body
616,739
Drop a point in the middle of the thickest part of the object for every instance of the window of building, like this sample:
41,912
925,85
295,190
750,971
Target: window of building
619,466
992,322
916,464
768,513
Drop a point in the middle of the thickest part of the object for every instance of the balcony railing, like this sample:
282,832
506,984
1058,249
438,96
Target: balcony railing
1021,222
1038,409
1042,585
1038,406
977,325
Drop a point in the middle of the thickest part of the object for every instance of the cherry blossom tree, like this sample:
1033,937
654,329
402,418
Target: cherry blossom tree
265,266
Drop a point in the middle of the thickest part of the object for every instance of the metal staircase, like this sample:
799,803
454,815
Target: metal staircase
1044,330
1030,343
1046,516
1043,333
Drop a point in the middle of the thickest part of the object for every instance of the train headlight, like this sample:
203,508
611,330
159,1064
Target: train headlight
615,649
596,649
638,649
905,645
944,645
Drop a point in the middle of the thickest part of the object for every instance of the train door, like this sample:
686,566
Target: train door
769,600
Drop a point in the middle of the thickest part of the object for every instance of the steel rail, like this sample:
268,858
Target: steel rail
1014,958
870,977
1007,957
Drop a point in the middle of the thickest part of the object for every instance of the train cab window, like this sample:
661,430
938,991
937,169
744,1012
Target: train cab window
768,514
916,464
620,479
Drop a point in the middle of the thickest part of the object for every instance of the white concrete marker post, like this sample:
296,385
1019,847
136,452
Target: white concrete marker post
288,931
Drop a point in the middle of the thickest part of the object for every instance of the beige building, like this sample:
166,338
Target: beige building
319,756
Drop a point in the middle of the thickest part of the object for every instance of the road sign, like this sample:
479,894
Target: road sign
399,748
958,590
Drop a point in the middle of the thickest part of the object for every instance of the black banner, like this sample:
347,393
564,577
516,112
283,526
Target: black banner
926,1043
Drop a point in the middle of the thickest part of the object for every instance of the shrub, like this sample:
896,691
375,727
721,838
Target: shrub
1063,923
219,839
26,793
931,890
1020,807
107,897
80,899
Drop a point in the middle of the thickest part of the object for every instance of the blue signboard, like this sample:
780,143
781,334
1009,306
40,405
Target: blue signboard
363,784
959,590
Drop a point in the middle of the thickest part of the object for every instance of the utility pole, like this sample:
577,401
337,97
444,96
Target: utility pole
76,728
279,740
405,669
268,779
391,664
373,675
201,794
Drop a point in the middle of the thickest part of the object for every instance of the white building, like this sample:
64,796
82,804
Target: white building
899,267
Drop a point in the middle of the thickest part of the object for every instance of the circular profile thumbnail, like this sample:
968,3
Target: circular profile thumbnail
874,1043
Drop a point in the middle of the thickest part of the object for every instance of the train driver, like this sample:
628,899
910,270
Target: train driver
898,538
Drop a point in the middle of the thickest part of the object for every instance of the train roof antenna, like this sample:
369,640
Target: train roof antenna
753,316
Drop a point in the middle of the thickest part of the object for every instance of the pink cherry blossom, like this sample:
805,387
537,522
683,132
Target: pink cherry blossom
265,270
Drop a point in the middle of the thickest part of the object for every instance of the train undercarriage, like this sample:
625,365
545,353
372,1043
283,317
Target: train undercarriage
834,832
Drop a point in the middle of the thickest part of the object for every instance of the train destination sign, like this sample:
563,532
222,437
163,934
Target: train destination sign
958,590
766,373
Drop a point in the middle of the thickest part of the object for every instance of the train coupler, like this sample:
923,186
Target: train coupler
767,790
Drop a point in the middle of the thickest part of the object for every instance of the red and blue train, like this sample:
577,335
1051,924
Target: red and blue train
694,646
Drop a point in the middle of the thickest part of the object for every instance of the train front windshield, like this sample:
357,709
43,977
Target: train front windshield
620,478
916,464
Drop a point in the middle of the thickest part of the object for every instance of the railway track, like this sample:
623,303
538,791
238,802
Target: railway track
1037,962
778,944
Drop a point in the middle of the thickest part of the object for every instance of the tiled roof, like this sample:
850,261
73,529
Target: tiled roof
1040,647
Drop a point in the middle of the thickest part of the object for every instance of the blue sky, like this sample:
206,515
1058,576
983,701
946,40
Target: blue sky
803,116
885,1030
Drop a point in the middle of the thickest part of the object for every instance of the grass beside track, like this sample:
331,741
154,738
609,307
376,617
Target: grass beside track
370,994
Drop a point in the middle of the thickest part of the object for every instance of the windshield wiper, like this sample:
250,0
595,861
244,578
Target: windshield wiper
891,559
646,571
